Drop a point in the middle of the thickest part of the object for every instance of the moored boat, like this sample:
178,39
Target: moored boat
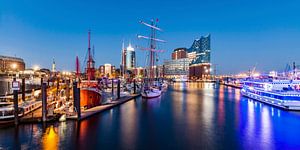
7,112
151,93
151,88
90,93
281,93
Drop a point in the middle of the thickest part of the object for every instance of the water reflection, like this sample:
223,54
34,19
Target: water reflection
221,109
187,116
129,123
50,139
266,128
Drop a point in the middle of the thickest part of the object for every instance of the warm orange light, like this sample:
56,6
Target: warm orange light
14,65
50,139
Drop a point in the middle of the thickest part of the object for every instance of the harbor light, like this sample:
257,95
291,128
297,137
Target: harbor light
14,66
66,73
256,74
36,67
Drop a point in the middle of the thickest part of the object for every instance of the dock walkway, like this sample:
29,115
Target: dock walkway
95,110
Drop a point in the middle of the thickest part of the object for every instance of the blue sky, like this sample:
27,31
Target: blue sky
244,33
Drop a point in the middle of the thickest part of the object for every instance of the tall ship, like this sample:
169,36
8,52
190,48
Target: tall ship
151,88
90,93
283,93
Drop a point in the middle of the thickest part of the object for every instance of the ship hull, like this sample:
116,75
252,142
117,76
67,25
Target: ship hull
90,97
151,93
287,105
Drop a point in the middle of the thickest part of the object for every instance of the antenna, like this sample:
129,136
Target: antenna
123,46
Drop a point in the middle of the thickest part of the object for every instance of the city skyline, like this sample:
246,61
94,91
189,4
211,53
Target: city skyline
254,32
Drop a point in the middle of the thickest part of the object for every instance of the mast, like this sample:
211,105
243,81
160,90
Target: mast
152,46
77,67
89,45
90,69
152,50
294,70
123,59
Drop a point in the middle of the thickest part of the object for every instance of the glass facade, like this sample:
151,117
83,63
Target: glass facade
202,49
130,59
176,67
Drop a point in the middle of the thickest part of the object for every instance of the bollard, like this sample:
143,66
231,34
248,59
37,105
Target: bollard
78,104
23,89
68,90
134,87
16,108
112,87
74,86
44,102
76,96
118,90
57,86
42,81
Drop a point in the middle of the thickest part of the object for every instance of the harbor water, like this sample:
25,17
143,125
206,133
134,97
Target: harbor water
187,116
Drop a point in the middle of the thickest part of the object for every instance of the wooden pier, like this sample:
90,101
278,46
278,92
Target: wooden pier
95,110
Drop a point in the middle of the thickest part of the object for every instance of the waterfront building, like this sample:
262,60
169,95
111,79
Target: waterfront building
200,50
123,60
8,63
193,63
200,71
179,53
176,68
128,59
139,72
107,70
199,58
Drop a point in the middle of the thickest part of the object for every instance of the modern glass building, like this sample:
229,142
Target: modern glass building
176,68
199,56
199,52
193,63
130,57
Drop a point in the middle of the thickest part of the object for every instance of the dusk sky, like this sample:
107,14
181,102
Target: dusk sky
243,33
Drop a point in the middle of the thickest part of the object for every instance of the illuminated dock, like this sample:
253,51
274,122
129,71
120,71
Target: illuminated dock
98,109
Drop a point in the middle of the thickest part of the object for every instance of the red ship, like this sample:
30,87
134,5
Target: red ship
90,94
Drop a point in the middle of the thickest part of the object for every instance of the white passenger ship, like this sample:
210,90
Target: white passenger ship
281,93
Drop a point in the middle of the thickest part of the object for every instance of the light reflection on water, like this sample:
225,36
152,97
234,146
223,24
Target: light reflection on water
50,138
188,116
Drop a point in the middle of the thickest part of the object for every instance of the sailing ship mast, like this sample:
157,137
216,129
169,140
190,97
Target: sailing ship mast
77,68
152,49
90,69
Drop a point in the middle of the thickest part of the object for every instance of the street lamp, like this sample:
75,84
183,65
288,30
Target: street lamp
14,69
14,66
36,67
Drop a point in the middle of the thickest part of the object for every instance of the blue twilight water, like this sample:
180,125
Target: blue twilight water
187,116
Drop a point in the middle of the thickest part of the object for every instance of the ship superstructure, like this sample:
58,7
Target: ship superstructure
283,93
